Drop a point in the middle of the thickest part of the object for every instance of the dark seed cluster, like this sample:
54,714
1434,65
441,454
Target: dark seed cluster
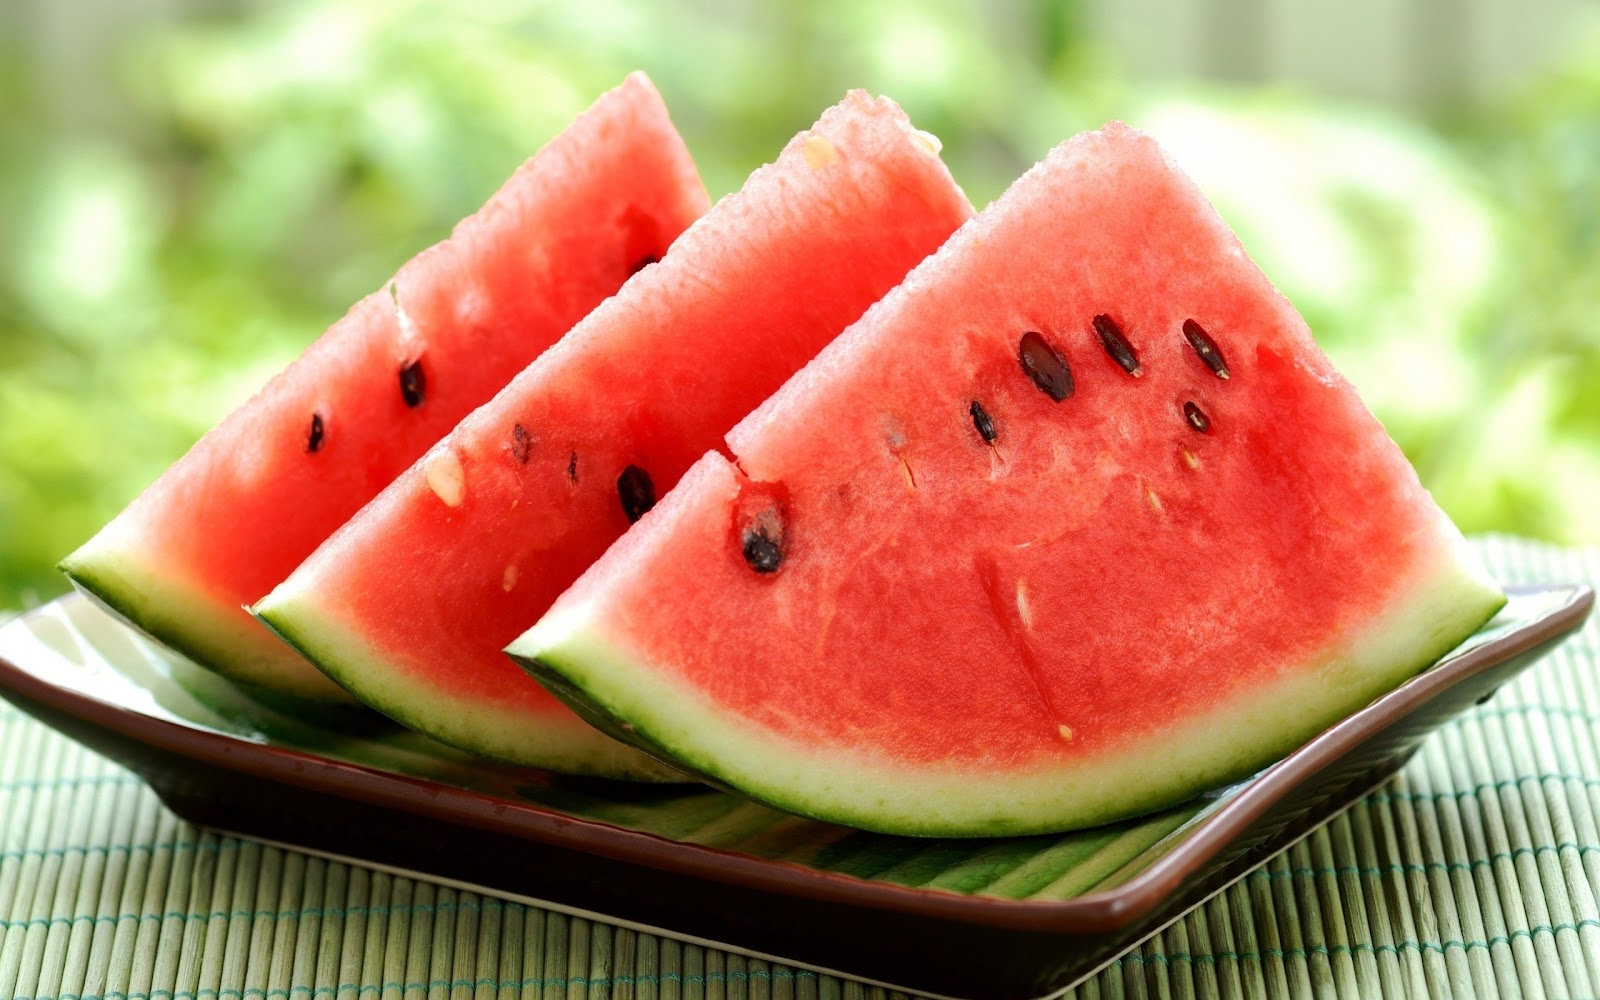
1117,345
413,384
1050,373
1045,366
521,442
644,262
636,491
572,468
314,439
982,421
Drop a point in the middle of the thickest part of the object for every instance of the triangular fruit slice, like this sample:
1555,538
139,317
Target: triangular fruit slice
410,604
1076,523
263,488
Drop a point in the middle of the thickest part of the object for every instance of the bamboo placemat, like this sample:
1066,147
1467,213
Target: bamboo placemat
1473,873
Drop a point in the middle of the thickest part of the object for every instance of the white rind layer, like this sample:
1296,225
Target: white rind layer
115,569
556,740
1445,601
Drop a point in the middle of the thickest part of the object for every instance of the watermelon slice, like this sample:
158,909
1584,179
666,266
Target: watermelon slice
260,491
410,605
1076,523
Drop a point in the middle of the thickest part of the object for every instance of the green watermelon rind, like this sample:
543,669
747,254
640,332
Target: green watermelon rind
506,735
609,685
121,580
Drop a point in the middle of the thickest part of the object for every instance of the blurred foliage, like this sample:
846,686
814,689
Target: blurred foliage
194,199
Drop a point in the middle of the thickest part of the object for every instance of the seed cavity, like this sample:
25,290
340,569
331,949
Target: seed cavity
1197,419
758,527
1189,458
521,442
413,384
1205,347
636,491
643,263
982,422
446,478
819,152
762,543
314,439
572,468
1117,345
1045,366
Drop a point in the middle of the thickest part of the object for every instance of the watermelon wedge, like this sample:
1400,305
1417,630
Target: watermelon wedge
410,604
261,490
1074,524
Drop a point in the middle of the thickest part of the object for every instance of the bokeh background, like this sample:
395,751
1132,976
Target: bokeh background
191,190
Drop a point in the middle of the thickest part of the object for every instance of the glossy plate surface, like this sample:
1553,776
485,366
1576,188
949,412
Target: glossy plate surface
1007,918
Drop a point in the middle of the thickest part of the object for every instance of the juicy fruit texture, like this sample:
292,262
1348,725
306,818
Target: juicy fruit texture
261,490
410,604
1076,523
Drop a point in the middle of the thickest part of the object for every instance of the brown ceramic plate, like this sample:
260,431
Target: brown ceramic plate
1017,917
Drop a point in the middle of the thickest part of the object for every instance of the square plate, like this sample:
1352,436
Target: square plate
1005,918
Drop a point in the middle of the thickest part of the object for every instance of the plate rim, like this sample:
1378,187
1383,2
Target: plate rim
1097,911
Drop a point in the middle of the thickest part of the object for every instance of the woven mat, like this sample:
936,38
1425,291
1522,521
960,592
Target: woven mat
1472,874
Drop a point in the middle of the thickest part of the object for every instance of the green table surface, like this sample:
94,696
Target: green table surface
1474,873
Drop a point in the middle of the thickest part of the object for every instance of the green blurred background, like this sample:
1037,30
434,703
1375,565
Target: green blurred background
191,191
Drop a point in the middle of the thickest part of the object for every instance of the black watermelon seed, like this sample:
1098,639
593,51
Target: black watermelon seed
413,384
1205,347
636,491
572,468
982,421
1117,345
643,263
314,439
1045,365
520,442
762,553
1198,420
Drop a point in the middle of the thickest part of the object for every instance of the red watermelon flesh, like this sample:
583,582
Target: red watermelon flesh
411,604
260,491
1076,523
